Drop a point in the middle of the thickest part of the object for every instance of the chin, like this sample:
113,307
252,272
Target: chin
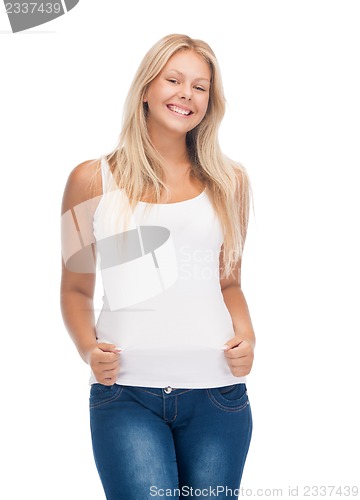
177,129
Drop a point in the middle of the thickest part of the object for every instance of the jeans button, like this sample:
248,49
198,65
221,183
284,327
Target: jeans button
167,389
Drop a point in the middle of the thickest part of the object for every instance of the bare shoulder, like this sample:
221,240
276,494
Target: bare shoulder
83,183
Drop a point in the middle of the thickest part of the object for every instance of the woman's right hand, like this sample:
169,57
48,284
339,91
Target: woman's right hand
104,360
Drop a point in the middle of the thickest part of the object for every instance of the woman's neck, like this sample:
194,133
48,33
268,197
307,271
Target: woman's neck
174,151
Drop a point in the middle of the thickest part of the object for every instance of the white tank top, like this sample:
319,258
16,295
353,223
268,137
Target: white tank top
162,302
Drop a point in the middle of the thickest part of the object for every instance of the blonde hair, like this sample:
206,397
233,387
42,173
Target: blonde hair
137,167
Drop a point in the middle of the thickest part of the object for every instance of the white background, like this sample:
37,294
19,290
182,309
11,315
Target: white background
291,77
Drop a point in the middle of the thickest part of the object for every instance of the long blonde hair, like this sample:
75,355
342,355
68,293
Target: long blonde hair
137,167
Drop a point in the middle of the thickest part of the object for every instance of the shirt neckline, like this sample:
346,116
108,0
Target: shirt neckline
200,195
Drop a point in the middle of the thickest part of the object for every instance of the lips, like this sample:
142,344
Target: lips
180,110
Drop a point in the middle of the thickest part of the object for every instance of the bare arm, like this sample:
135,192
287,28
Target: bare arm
237,306
240,350
78,311
77,288
236,303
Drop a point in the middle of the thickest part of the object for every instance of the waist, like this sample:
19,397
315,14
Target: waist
182,368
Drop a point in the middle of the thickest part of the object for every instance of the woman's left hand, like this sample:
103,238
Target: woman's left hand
239,356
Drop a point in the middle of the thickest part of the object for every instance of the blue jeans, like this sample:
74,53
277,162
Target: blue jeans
170,443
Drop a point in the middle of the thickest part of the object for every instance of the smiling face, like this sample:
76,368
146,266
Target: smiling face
178,97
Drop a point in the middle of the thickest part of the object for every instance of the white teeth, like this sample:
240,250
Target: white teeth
179,110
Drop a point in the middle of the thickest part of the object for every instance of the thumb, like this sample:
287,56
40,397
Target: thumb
107,347
234,342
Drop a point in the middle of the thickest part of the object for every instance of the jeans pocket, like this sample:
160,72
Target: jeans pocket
103,394
229,398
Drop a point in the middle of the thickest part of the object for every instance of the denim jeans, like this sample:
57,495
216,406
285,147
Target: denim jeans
170,443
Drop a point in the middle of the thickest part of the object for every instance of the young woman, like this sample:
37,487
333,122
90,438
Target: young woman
164,217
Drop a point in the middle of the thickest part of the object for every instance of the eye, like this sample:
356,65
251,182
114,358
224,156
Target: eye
200,88
172,80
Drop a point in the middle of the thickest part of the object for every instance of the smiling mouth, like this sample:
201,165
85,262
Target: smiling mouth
179,111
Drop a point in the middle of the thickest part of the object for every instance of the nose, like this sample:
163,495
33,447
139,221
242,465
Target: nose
185,93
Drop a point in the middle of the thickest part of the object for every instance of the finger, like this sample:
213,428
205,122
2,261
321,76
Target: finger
108,347
108,381
110,376
106,367
236,353
108,357
102,374
231,344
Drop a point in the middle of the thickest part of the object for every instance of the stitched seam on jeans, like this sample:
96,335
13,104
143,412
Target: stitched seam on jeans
228,389
182,392
226,408
160,395
176,409
115,396
148,392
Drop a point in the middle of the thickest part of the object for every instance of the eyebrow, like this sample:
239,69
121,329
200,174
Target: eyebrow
182,74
